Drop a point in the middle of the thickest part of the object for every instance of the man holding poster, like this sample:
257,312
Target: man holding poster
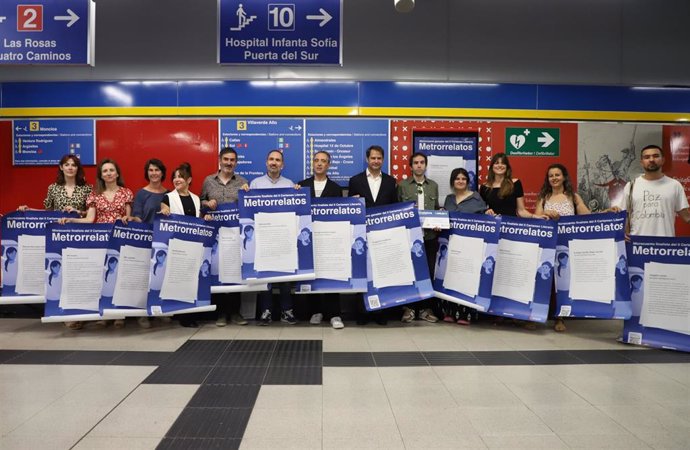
653,199
327,305
272,180
219,188
378,189
424,193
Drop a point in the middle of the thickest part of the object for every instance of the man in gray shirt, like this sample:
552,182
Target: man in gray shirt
273,178
219,188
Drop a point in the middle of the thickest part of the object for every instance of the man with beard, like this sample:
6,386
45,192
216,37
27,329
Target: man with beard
653,199
218,188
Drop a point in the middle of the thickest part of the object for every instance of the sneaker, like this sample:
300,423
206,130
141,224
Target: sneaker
316,319
74,325
337,323
288,316
222,320
428,315
237,319
265,318
408,315
144,322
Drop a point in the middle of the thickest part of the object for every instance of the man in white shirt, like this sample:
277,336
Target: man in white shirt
655,198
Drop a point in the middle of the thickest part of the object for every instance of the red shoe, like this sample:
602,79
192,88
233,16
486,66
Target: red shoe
463,322
448,319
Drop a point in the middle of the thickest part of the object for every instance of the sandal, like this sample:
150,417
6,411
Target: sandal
559,325
74,325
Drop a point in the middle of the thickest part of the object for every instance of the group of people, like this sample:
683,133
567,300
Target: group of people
652,201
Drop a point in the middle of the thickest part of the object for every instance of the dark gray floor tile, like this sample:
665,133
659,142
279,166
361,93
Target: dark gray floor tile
251,345
348,359
178,375
399,359
193,358
451,358
236,375
601,356
246,359
41,357
6,355
201,345
295,358
549,357
198,444
95,358
294,375
225,396
210,423
141,359
299,346
502,358
655,356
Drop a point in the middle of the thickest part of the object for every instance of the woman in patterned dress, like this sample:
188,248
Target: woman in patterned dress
557,198
69,192
109,201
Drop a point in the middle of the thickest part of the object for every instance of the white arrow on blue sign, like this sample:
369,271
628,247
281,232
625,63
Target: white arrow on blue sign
308,32
47,32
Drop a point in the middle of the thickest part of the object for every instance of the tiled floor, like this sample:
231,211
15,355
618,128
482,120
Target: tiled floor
413,386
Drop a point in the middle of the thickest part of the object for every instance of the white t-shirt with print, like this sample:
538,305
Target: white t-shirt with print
654,206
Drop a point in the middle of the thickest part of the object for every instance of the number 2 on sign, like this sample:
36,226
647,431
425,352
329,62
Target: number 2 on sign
29,17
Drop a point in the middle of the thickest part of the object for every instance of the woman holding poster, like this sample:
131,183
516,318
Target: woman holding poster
70,191
557,198
182,201
462,199
109,201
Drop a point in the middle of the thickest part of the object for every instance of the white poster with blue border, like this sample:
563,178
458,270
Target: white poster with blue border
598,287
126,270
397,270
659,269
180,271
523,275
340,247
226,256
466,258
23,250
276,234
75,254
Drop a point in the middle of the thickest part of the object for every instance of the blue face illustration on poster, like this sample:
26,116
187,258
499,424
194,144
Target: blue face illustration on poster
110,276
441,260
205,270
160,255
9,266
53,279
359,258
304,246
247,233
215,265
488,265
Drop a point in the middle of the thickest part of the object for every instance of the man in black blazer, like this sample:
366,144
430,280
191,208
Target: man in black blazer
378,189
326,306
319,184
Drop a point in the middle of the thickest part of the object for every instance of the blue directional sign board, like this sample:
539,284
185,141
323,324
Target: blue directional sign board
304,32
43,142
254,138
346,140
47,32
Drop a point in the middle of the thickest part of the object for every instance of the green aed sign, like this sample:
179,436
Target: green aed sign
533,141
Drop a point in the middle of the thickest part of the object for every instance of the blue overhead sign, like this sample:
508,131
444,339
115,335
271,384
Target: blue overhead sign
43,142
267,32
47,31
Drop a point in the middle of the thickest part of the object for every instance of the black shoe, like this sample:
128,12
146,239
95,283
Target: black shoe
362,321
381,320
189,323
